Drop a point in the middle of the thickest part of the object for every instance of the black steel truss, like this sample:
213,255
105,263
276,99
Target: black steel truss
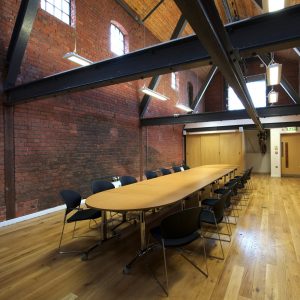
269,32
18,42
156,79
206,23
264,112
204,87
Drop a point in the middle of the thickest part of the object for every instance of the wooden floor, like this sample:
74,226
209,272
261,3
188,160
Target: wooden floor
262,261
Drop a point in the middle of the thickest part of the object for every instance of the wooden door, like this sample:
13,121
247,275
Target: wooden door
193,149
290,158
210,149
231,148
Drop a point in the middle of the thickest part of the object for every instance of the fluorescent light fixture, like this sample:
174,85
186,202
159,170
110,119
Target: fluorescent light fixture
273,5
183,107
272,97
297,50
154,94
273,73
74,57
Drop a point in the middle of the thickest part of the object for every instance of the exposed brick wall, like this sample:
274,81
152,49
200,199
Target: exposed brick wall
69,140
214,96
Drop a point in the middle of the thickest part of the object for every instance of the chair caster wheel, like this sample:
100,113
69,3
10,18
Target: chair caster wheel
126,270
84,256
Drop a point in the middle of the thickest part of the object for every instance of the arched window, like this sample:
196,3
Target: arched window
117,39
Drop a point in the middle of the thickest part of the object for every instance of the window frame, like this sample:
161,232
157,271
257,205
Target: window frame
43,6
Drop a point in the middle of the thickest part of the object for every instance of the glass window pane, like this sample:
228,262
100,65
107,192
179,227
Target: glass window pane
116,40
257,91
66,7
58,8
49,8
58,4
66,18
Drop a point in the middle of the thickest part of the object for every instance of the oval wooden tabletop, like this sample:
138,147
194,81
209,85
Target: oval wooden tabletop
157,192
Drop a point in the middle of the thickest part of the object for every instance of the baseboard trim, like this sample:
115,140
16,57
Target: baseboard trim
34,215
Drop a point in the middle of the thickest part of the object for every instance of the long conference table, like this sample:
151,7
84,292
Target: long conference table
155,193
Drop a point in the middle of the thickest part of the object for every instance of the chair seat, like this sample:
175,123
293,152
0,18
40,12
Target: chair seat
207,216
86,214
179,242
209,201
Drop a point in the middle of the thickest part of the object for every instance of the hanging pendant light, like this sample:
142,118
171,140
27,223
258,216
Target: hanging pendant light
272,97
73,56
273,72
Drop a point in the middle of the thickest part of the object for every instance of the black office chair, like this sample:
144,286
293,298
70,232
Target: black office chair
150,174
101,186
125,180
214,215
165,171
176,169
72,200
226,198
178,230
230,206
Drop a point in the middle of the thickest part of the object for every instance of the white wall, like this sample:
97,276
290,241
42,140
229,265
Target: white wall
275,152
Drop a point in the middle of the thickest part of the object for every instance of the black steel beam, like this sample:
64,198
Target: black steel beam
284,83
19,39
129,11
156,79
152,10
271,111
204,87
260,34
206,23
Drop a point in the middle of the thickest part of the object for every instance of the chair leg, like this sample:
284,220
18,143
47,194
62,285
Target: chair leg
73,235
166,271
61,236
219,239
205,257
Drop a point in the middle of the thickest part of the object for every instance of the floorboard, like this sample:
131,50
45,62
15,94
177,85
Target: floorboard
261,262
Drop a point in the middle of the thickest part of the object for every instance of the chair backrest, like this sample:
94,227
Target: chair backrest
186,167
165,171
227,198
181,224
125,180
176,169
101,185
71,198
150,174
219,207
